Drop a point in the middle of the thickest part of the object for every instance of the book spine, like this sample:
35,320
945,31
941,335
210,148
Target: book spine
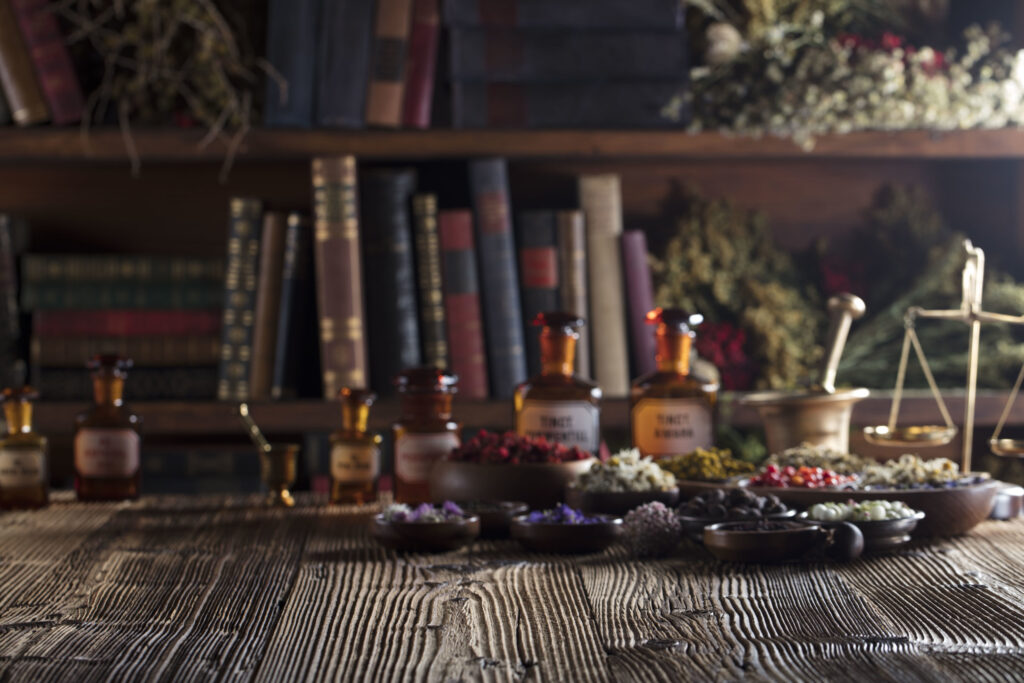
346,37
462,302
268,305
514,56
17,76
149,384
601,201
36,296
297,359
10,325
125,268
339,280
239,299
66,352
290,24
538,275
5,109
422,64
391,319
51,58
640,300
558,105
428,271
387,70
126,323
572,264
575,14
499,282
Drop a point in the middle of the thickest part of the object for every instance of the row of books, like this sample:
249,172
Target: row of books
504,63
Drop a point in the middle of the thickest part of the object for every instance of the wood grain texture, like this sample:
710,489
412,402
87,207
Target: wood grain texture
177,588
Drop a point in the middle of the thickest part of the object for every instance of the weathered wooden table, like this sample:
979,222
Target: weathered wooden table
222,588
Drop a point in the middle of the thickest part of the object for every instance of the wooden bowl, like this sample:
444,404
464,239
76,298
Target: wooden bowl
882,534
688,488
948,512
548,537
693,527
495,518
616,502
425,537
729,542
539,486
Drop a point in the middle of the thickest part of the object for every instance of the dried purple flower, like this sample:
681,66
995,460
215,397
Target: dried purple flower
652,530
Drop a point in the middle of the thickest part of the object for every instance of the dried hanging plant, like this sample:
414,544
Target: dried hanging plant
165,60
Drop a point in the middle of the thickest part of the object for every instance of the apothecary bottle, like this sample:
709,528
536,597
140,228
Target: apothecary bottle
107,437
355,452
24,467
556,404
671,411
425,432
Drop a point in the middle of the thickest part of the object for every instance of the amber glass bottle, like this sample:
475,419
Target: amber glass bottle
107,437
672,412
355,453
425,431
24,476
556,404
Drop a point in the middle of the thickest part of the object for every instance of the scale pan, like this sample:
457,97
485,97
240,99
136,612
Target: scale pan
1007,447
920,436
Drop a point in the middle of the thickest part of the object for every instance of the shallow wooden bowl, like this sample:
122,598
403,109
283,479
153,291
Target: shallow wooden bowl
616,502
882,534
547,537
693,527
425,537
539,486
726,542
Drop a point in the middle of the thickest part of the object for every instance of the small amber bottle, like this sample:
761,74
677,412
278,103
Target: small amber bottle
556,404
425,432
671,411
107,437
24,476
355,453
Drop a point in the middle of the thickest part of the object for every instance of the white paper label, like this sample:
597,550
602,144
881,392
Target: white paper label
352,464
415,454
20,468
664,427
106,453
571,423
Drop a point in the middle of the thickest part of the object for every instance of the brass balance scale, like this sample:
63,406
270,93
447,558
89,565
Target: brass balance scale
971,313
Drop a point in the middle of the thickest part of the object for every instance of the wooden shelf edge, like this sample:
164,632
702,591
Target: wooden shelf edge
184,145
215,418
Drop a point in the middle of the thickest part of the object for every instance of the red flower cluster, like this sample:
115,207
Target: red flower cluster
722,344
512,449
802,477
890,42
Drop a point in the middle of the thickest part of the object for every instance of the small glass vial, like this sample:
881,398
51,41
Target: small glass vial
24,475
107,437
355,453
671,411
556,404
425,432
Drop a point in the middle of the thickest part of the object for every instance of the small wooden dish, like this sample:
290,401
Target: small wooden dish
425,537
735,542
616,502
882,534
693,527
550,537
495,518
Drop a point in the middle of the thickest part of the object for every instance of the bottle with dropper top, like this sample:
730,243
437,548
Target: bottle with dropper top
556,404
355,453
671,411
425,431
107,437
24,472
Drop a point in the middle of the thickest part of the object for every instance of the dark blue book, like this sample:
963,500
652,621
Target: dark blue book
575,14
499,282
537,233
297,355
343,69
291,49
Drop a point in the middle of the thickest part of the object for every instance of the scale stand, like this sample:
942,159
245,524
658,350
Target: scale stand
971,313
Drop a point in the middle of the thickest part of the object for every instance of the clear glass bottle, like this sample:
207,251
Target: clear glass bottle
24,471
425,431
671,411
355,453
556,404
107,437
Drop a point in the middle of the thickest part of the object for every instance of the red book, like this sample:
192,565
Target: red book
125,323
462,302
419,72
53,66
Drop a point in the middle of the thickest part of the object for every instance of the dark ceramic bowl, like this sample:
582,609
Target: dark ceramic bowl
547,537
616,502
736,542
881,534
495,518
539,486
693,527
425,537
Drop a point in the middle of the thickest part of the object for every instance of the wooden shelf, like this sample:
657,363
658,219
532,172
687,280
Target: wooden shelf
183,145
212,418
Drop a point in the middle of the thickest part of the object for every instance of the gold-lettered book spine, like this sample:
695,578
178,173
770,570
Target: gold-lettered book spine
428,269
239,298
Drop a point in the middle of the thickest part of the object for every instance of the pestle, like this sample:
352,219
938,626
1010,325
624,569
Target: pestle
843,309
